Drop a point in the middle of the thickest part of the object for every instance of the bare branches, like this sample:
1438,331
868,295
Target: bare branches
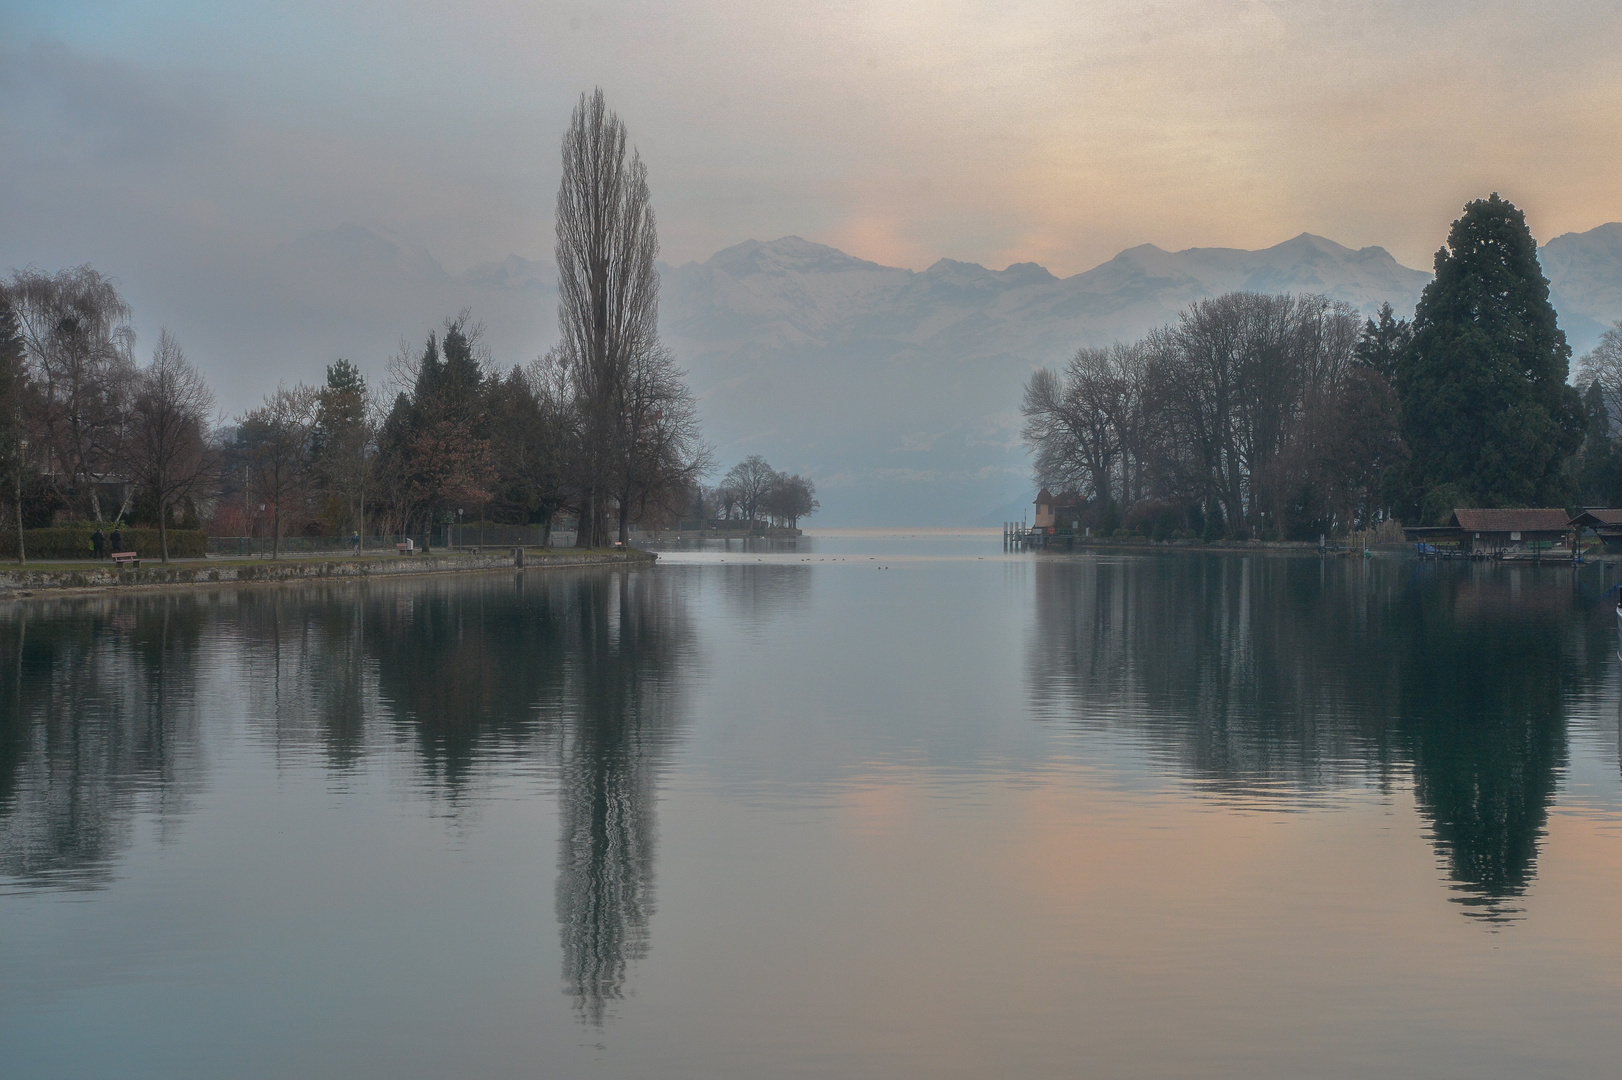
169,449
1237,408
608,297
278,437
1603,365
79,345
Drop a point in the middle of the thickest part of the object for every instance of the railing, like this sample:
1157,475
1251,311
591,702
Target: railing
257,547
497,535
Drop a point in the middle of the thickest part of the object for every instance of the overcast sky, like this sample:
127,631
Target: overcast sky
160,139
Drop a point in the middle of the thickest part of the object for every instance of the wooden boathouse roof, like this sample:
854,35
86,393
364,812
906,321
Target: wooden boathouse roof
1544,519
1595,517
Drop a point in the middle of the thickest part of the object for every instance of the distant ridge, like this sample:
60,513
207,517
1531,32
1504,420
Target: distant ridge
897,390
1585,280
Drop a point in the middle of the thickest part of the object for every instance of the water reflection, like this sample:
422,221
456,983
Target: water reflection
578,674
98,723
1484,669
624,697
1280,681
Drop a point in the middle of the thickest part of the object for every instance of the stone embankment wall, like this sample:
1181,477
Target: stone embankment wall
181,575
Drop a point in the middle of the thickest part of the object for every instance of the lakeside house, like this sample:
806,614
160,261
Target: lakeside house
1498,532
1055,512
1602,522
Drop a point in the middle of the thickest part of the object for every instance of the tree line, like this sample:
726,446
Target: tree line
603,428
753,491
1287,417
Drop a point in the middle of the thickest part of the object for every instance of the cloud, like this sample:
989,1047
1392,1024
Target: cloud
186,148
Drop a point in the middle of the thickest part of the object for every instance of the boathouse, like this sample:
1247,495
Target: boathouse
1604,523
1498,532
1055,512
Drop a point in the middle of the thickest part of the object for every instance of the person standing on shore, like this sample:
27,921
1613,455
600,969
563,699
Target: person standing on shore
355,540
98,544
118,540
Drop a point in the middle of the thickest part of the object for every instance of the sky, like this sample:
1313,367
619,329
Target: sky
168,142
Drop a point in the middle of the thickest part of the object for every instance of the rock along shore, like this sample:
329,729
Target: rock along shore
23,581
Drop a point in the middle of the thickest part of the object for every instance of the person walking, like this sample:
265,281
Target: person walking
355,540
118,540
98,543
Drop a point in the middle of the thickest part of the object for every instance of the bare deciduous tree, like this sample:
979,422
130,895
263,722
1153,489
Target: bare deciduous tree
660,453
168,447
751,479
76,333
1237,408
13,386
790,499
1603,365
608,293
279,435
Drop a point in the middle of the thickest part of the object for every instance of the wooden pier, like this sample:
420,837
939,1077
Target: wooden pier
1016,537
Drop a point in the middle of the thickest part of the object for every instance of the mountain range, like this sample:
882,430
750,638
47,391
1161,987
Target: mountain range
896,390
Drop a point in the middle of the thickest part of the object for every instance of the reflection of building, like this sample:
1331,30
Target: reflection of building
1498,532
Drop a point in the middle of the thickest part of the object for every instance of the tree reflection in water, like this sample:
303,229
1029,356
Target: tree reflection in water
587,668
623,694
98,723
1279,680
580,672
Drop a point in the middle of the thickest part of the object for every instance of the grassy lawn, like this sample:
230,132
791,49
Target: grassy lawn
533,555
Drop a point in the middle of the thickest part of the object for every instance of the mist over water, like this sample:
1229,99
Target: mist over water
871,804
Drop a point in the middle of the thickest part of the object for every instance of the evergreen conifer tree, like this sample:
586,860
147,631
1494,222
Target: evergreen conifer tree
1383,343
1484,401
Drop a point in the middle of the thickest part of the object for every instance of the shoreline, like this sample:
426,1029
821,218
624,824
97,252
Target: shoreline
24,583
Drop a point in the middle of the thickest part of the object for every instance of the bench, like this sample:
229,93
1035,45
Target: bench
127,558
407,548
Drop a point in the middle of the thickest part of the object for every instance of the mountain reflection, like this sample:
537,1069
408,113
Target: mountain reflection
1281,680
98,723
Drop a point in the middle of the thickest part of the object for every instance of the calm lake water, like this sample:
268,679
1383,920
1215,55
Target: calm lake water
884,805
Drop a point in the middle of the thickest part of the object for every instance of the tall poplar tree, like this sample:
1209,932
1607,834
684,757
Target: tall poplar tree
1484,402
608,293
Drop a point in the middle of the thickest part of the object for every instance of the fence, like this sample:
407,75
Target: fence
261,546
497,535
444,536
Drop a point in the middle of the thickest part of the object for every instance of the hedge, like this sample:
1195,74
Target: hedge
73,542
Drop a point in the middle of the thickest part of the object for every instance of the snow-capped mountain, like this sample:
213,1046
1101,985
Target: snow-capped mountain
1585,282
899,390
896,390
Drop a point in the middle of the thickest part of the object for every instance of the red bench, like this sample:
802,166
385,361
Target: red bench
127,558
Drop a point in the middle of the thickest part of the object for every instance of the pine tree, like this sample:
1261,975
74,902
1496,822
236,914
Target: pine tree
1484,402
1383,343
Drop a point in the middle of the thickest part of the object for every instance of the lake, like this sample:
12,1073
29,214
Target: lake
888,805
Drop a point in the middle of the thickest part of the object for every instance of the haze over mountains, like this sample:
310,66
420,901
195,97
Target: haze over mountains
896,390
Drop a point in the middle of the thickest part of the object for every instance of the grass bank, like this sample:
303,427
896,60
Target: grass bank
55,577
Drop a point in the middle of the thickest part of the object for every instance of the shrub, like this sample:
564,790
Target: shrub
73,542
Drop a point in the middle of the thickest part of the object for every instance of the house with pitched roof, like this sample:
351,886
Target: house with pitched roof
1056,512
1604,523
1499,532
